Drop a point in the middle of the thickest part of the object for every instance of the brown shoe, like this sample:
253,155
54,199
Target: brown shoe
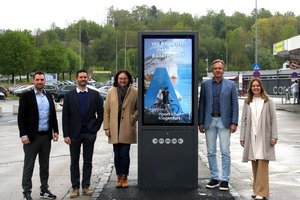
74,193
124,181
87,191
119,182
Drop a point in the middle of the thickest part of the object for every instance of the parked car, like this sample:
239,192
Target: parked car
63,89
49,88
3,90
2,96
24,88
104,90
12,88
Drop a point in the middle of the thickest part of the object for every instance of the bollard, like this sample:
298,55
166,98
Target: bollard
287,96
15,109
0,111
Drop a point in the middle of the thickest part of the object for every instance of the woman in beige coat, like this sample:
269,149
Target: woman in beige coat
120,116
259,136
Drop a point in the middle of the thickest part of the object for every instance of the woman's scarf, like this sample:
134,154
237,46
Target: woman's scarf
121,95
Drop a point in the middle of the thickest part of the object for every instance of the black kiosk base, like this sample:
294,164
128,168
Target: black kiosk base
168,159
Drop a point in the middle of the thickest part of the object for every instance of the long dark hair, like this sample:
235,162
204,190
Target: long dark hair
130,80
250,95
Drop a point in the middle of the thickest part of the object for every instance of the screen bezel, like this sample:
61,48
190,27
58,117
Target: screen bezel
172,35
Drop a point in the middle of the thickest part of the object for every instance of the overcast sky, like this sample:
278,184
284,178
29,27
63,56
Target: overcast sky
34,14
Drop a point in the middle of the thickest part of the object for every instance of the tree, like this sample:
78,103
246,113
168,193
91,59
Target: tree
46,37
17,53
267,60
238,20
53,58
73,61
275,29
238,51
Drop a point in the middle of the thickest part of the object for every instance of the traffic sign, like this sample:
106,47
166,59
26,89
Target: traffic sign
256,66
256,74
294,75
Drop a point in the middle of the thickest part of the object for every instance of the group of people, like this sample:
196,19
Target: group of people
84,112
218,117
82,117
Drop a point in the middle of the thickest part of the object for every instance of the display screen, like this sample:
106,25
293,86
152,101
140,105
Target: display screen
168,79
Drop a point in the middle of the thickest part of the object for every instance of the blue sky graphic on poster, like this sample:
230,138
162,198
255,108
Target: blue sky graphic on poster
168,63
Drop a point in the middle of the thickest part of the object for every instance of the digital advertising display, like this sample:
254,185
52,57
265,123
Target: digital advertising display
168,63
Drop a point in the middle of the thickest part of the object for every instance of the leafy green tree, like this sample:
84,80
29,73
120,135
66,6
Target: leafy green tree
238,50
266,59
53,58
263,13
212,48
275,29
86,44
238,20
17,53
73,61
288,31
132,61
46,37
152,17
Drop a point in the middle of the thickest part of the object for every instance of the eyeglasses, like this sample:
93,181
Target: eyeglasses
125,79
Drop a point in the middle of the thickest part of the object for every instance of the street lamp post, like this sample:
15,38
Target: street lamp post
206,60
116,53
125,45
226,56
256,31
79,44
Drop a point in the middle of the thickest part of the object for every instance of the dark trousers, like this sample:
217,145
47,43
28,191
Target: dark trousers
121,158
87,141
40,146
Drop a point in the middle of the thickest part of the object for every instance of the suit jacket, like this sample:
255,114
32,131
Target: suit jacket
28,116
71,113
228,103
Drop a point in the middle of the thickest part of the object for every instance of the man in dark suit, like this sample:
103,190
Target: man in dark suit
38,126
82,119
218,117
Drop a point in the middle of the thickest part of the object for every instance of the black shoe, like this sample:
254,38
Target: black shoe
224,186
27,197
47,195
213,183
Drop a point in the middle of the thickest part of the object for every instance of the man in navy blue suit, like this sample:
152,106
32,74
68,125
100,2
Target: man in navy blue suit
82,119
218,117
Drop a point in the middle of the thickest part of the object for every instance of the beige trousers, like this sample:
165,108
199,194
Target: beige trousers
260,169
